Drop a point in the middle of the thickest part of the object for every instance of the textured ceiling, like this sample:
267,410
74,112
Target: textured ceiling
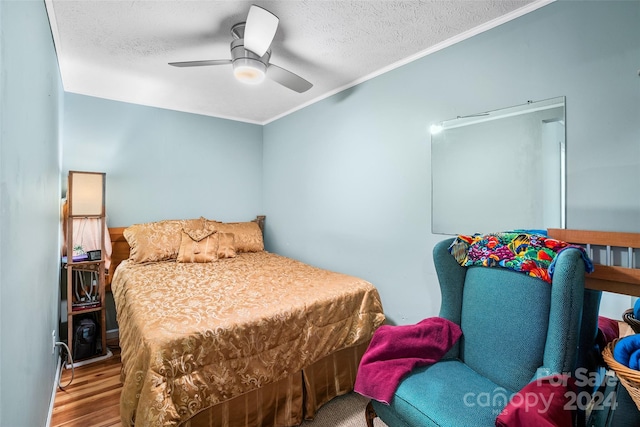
120,49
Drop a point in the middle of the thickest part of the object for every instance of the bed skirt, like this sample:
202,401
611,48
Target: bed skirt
287,402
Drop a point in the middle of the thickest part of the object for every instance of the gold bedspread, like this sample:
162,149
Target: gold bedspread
194,335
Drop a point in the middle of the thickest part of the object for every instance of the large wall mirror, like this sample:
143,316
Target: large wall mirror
500,170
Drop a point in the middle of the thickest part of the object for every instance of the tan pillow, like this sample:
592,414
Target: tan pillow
226,245
199,245
157,241
247,235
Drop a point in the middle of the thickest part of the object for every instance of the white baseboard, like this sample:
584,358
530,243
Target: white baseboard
56,380
89,361
113,334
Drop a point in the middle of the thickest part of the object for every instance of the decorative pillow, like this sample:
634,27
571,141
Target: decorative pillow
226,245
157,241
199,245
206,222
247,235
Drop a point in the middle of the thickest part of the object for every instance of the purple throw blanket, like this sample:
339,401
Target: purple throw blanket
395,350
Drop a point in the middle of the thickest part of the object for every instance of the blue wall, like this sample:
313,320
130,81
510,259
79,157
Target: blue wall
163,164
347,180
30,212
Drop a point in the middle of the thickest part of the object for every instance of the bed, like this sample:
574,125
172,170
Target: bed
253,339
615,255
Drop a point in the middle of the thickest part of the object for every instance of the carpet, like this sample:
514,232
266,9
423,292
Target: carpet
343,411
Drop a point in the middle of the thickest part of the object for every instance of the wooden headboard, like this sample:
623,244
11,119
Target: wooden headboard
620,271
120,247
119,251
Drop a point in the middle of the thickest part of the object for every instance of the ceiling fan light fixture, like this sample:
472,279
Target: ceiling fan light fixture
249,71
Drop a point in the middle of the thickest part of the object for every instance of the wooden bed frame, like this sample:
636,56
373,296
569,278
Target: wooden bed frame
614,275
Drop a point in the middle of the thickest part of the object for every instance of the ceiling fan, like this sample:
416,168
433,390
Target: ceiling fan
250,53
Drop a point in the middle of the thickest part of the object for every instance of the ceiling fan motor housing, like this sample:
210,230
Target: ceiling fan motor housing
247,66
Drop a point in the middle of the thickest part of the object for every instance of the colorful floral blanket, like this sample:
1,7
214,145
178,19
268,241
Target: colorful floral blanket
530,253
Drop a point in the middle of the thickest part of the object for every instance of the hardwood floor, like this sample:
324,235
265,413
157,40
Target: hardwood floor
93,398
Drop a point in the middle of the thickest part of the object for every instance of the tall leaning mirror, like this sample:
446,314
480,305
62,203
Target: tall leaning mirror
500,170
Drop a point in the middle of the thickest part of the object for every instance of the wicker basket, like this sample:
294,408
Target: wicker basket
629,378
627,316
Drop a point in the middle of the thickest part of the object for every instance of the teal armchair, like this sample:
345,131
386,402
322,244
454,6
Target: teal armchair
515,329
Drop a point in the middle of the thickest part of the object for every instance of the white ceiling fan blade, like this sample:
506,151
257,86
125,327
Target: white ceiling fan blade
259,30
288,79
201,63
